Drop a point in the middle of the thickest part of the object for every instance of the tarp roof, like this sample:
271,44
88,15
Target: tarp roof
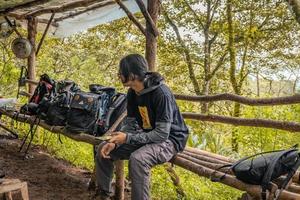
71,16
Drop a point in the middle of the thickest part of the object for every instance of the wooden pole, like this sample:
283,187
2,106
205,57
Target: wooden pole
31,62
151,39
119,180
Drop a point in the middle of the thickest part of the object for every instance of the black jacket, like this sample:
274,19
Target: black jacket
153,115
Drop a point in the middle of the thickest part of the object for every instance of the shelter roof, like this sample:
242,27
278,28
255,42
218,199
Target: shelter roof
71,16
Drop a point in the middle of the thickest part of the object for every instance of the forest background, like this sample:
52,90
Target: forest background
249,48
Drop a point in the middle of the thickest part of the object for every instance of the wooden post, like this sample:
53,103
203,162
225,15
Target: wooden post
151,40
119,180
31,62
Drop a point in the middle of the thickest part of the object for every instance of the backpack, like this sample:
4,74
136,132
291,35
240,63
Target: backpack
59,106
88,111
43,93
261,169
45,88
58,109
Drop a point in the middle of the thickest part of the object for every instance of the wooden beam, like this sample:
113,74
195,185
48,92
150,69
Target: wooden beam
31,61
131,17
8,130
151,40
263,123
294,99
61,8
21,17
147,17
25,4
44,34
120,180
34,82
26,94
12,26
93,7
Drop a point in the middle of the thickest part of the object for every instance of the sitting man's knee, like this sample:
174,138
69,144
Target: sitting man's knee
98,149
136,158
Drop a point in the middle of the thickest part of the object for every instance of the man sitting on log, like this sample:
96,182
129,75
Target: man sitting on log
152,134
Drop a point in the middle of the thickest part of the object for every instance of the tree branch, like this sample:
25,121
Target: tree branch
195,14
219,64
186,53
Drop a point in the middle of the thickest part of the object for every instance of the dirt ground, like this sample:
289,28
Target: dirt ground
47,177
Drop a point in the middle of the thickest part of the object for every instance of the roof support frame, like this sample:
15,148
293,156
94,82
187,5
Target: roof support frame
62,8
92,7
147,17
131,16
24,5
44,34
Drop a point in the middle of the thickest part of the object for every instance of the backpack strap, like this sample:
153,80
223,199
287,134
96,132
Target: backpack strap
288,178
120,98
268,174
215,179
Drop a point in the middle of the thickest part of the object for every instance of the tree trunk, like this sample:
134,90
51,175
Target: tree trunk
151,40
31,62
257,85
232,70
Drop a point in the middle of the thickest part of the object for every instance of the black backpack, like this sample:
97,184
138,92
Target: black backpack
57,112
88,111
58,109
261,169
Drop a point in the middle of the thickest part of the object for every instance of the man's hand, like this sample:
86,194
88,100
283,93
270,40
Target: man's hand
118,137
106,149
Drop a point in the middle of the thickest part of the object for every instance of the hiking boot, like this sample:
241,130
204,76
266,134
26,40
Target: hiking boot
102,195
2,174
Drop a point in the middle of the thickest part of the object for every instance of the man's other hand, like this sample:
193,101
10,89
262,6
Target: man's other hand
118,138
106,149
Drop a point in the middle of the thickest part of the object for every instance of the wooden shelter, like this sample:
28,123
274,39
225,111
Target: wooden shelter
52,12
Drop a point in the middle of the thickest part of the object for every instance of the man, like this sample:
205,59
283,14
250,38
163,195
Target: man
152,134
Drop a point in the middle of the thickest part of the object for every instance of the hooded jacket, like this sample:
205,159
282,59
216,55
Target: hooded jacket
153,115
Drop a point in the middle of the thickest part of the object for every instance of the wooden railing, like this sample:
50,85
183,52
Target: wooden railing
201,162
